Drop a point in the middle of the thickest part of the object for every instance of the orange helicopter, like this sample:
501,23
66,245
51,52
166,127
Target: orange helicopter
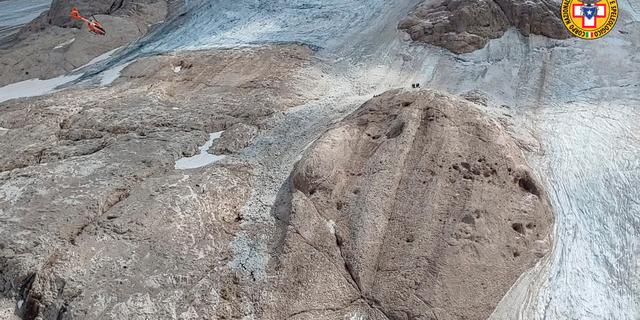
94,25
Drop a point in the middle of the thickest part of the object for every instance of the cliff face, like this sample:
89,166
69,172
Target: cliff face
465,26
416,206
54,44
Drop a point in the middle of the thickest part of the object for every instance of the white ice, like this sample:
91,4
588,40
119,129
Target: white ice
202,159
65,43
15,13
37,87
101,57
33,87
112,74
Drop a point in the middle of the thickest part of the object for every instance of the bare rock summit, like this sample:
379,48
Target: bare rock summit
416,206
463,26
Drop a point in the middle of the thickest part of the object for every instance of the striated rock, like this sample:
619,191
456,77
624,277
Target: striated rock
463,26
416,206
234,139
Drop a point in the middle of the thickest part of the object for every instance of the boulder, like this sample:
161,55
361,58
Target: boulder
416,206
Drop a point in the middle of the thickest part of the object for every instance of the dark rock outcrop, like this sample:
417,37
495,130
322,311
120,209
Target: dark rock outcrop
463,26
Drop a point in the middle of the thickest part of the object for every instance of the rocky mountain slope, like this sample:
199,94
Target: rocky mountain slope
416,205
96,221
54,44
464,26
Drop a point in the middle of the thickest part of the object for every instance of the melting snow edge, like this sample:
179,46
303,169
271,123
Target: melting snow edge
203,158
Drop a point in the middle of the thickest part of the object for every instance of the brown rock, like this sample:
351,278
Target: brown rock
234,139
419,205
416,206
88,182
465,26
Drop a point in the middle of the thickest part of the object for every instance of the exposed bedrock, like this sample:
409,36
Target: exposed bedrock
463,26
96,223
416,206
234,139
54,43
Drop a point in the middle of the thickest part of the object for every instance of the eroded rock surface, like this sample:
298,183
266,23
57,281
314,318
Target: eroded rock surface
463,26
54,44
416,206
234,139
95,222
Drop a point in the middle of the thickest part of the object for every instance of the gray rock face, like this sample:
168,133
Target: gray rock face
54,44
234,139
95,222
463,26
476,96
417,206
59,13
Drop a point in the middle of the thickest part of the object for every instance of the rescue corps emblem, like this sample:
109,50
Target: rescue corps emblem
589,19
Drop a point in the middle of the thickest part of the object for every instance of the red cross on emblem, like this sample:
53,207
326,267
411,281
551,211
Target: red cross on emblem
589,23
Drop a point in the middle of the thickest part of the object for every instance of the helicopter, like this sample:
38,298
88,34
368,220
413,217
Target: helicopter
93,24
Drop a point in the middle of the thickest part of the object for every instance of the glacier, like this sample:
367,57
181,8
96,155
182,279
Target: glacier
579,99
16,13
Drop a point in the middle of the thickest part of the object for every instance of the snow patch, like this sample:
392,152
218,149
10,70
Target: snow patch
101,57
202,159
177,69
66,43
20,304
33,87
112,74
3,130
332,226
37,87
